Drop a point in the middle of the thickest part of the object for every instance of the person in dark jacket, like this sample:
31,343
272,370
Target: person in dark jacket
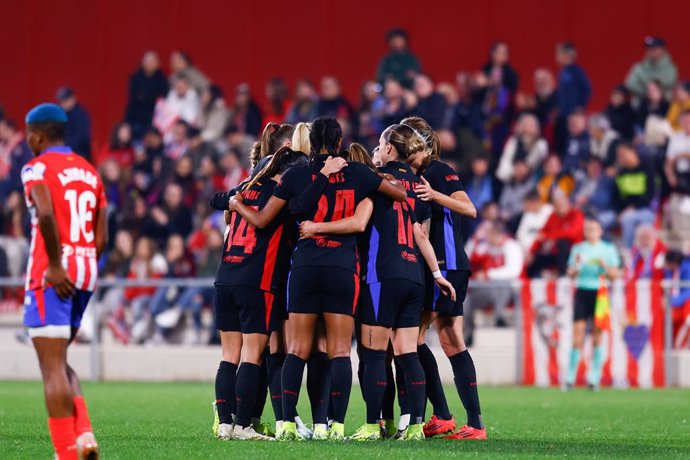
146,86
78,122
245,113
620,113
574,90
634,192
498,62
431,106
399,63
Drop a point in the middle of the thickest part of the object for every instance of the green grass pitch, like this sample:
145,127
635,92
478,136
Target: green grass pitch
173,420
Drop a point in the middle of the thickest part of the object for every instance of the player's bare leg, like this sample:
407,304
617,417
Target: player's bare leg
450,334
52,358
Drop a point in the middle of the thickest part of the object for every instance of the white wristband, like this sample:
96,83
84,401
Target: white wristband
437,274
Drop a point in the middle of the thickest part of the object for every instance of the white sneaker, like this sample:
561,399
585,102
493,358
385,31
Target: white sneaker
226,431
303,429
249,434
87,447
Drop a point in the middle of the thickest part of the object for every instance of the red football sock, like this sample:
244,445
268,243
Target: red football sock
64,438
82,423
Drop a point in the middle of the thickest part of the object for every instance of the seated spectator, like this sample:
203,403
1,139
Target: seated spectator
170,218
595,194
525,145
487,214
392,107
368,134
197,148
332,102
119,149
656,65
577,144
677,169
306,104
634,192
430,105
183,175
14,154
146,85
13,230
552,245
513,195
214,115
647,255
78,135
620,113
466,117
183,101
603,142
182,67
245,114
653,104
233,171
278,98
399,64
238,141
554,179
679,104
678,270
479,186
496,263
178,141
534,216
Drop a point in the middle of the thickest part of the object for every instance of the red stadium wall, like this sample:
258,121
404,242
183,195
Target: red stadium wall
93,46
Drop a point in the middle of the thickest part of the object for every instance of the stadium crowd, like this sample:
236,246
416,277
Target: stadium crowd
534,154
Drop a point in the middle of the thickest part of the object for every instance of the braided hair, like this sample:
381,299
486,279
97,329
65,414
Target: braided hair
326,134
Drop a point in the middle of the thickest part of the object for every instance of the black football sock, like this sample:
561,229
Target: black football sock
341,384
434,387
248,377
318,386
415,383
293,369
275,367
374,382
225,391
389,395
403,397
466,384
262,387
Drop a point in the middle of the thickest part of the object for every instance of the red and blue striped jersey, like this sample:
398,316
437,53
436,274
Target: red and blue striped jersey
257,257
445,233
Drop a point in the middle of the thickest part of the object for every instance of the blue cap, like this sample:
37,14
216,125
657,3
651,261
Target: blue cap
46,112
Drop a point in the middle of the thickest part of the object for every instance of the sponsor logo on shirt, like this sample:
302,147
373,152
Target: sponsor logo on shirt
33,172
452,177
408,256
326,243
233,259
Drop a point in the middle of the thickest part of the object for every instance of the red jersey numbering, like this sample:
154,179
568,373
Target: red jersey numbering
77,195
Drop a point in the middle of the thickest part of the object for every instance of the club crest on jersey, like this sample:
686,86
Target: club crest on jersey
451,177
33,172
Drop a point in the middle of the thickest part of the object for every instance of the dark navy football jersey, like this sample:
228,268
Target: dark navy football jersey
312,196
445,233
390,250
257,257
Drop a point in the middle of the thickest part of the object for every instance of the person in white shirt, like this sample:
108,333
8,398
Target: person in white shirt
184,102
526,144
534,217
677,169
496,262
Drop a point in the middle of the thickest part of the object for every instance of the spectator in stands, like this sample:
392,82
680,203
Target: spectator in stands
238,141
635,187
306,104
178,140
496,263
545,97
14,153
554,179
182,67
119,149
679,104
198,149
146,85
603,141
654,103
277,96
487,214
511,202
399,64
430,105
479,186
525,145
368,134
172,217
78,135
620,113
333,104
392,107
14,245
678,271
498,67
677,169
245,114
233,170
183,176
466,115
595,194
647,255
577,144
183,101
214,114
551,247
534,217
656,65
573,91
497,109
